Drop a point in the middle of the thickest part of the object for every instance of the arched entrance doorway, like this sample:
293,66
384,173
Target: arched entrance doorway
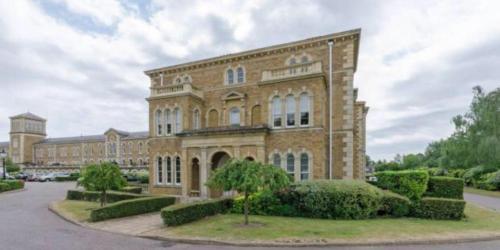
249,158
195,176
218,160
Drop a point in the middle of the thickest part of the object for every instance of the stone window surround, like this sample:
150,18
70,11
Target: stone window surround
164,122
164,182
296,155
235,75
282,97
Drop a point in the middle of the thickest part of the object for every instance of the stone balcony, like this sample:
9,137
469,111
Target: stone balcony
176,90
293,71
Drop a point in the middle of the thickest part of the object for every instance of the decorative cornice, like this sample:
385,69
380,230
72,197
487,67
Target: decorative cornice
270,50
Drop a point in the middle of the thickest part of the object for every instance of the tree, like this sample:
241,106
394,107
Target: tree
10,166
248,177
102,177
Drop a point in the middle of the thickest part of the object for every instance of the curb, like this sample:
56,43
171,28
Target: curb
195,241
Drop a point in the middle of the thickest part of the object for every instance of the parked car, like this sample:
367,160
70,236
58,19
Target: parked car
47,177
22,176
32,177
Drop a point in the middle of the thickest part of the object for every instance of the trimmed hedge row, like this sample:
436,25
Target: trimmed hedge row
66,178
112,196
184,213
339,199
8,185
439,209
445,187
410,183
132,189
394,205
131,207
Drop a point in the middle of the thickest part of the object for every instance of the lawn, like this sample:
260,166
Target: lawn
495,194
76,210
479,222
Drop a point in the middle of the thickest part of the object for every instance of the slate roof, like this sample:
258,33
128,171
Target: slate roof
28,115
94,138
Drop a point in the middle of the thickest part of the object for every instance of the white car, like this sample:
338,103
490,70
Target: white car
47,177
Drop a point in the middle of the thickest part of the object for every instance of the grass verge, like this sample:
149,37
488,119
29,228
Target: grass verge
479,223
76,210
495,194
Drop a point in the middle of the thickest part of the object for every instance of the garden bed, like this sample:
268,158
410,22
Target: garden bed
479,223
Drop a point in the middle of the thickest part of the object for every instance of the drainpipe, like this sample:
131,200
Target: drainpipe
330,112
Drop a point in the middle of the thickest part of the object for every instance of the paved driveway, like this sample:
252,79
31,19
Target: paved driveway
484,201
26,223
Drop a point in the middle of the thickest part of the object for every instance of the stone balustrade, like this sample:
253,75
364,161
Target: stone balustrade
296,70
174,90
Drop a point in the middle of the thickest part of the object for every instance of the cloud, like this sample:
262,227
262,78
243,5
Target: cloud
80,63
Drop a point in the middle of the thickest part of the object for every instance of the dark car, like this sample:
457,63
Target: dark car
22,176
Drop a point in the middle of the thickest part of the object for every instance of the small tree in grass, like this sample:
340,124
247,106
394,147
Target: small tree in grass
102,177
248,177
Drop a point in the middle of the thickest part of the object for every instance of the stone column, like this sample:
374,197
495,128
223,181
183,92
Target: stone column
261,153
184,172
236,152
204,169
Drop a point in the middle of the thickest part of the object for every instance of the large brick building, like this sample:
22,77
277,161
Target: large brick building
270,104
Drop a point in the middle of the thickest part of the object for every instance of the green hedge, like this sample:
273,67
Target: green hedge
68,178
445,187
8,185
261,203
337,199
409,183
132,189
490,181
184,213
473,175
131,207
112,196
439,209
394,205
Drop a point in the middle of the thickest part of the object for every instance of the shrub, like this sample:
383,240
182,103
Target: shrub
338,199
143,178
456,173
439,208
394,205
261,203
131,207
4,187
445,187
96,196
437,171
410,183
184,213
68,178
472,176
489,181
8,185
132,189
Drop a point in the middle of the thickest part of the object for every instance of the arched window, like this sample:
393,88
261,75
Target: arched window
178,120
277,160
230,76
305,106
304,166
159,170
304,59
130,162
177,170
293,70
169,169
290,111
158,123
140,148
213,118
241,75
290,164
276,112
196,119
124,148
234,116
168,122
130,148
140,163
293,61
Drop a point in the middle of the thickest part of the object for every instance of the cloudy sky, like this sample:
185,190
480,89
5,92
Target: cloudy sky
79,63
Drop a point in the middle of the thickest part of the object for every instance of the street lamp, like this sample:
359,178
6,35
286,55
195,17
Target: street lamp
3,155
